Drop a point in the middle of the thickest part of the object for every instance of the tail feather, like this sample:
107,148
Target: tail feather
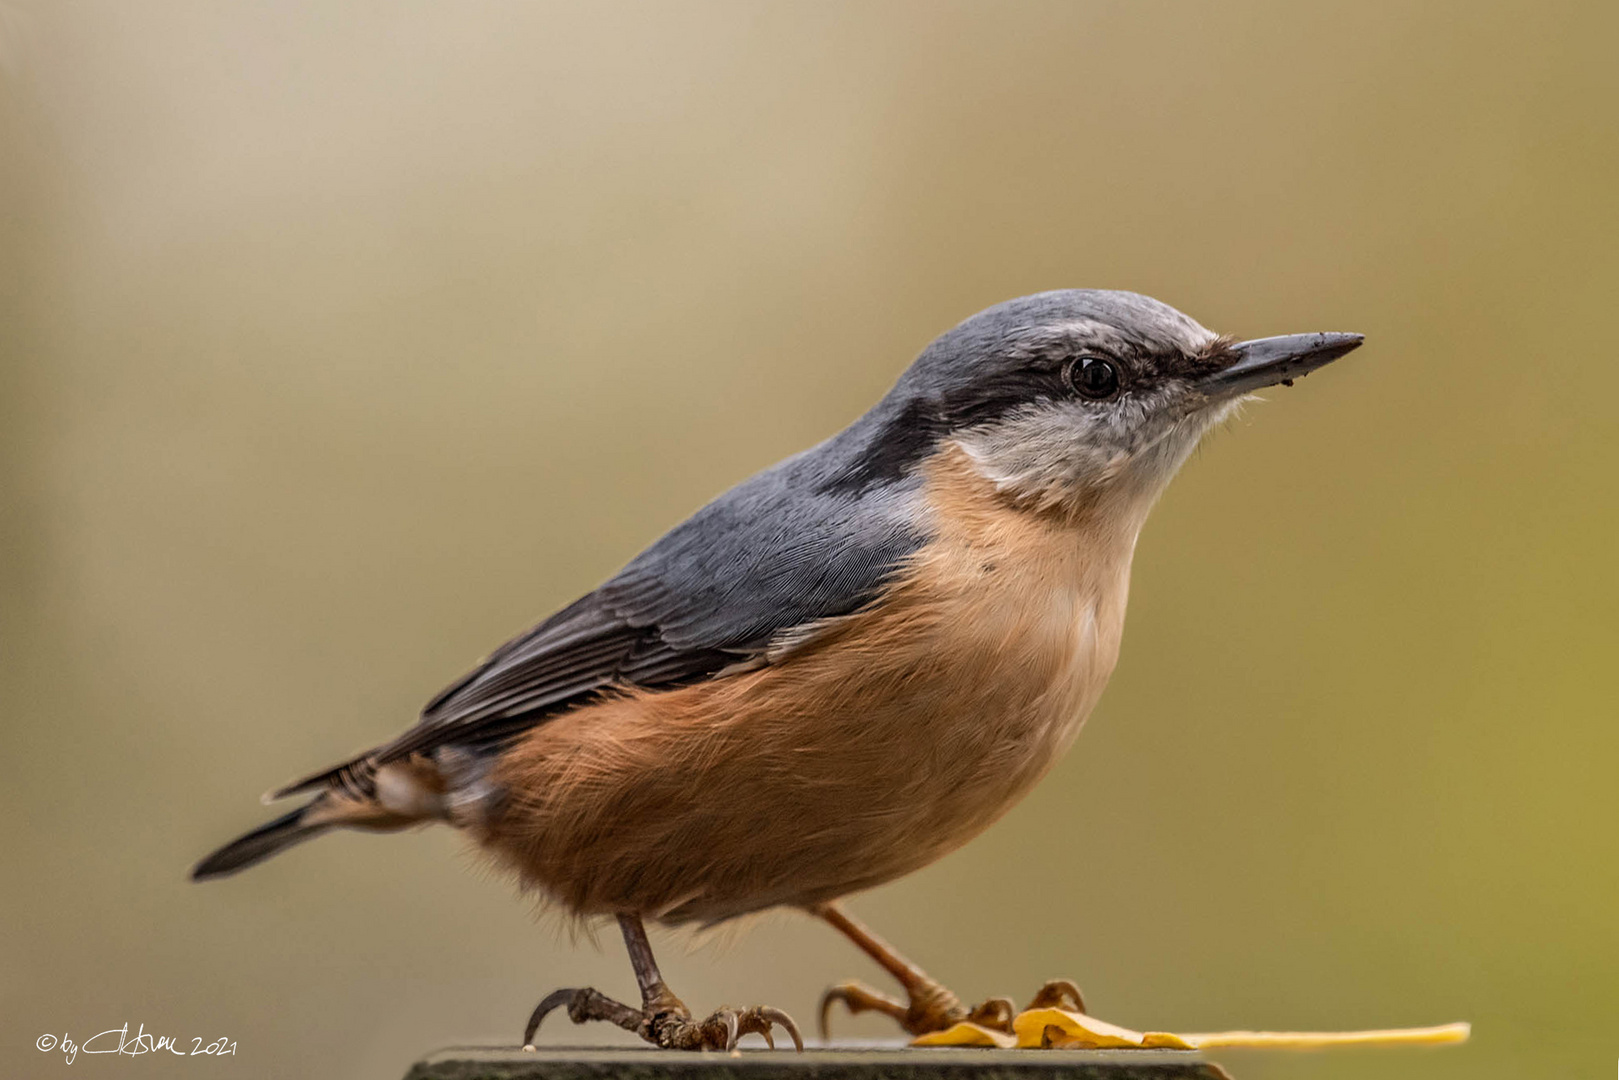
354,776
261,843
357,795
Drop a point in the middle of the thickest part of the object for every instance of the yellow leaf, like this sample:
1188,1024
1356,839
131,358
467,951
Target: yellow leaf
966,1033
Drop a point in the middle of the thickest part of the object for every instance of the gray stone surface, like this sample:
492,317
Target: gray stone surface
855,1063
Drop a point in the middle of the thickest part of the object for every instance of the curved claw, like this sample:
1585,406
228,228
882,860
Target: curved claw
1060,994
857,997
995,1013
824,1012
776,1016
584,1004
670,1026
550,1002
758,1021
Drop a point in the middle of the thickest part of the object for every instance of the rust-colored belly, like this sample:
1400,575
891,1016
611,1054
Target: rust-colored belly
888,739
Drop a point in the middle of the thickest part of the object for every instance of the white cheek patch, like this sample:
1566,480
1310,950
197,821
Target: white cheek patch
1051,453
1038,448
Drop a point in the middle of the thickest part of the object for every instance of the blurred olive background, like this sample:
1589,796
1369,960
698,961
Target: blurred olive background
341,341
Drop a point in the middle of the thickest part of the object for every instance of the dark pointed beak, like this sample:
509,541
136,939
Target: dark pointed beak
1267,361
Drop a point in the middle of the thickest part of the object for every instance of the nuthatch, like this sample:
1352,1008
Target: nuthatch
837,671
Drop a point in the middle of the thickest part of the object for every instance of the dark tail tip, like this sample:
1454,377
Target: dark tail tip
258,845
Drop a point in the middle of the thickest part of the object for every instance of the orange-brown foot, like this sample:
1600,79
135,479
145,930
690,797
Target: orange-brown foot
933,1007
666,1022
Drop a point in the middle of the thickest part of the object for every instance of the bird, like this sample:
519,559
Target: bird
833,674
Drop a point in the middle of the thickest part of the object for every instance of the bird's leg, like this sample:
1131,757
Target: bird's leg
663,1019
930,1005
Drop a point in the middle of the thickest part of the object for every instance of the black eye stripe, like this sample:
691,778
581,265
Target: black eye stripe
894,440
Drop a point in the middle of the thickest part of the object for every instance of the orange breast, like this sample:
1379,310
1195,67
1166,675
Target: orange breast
873,746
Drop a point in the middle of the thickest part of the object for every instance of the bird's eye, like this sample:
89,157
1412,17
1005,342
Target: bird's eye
1093,377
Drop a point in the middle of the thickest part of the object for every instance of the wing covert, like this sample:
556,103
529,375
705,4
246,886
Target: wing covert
769,555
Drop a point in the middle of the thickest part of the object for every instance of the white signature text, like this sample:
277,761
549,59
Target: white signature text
122,1041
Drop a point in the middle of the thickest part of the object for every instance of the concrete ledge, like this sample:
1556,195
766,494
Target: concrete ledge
855,1063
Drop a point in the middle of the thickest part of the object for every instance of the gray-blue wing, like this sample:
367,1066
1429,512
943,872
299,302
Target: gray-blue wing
772,553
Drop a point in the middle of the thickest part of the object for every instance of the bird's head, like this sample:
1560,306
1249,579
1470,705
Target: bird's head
1079,397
